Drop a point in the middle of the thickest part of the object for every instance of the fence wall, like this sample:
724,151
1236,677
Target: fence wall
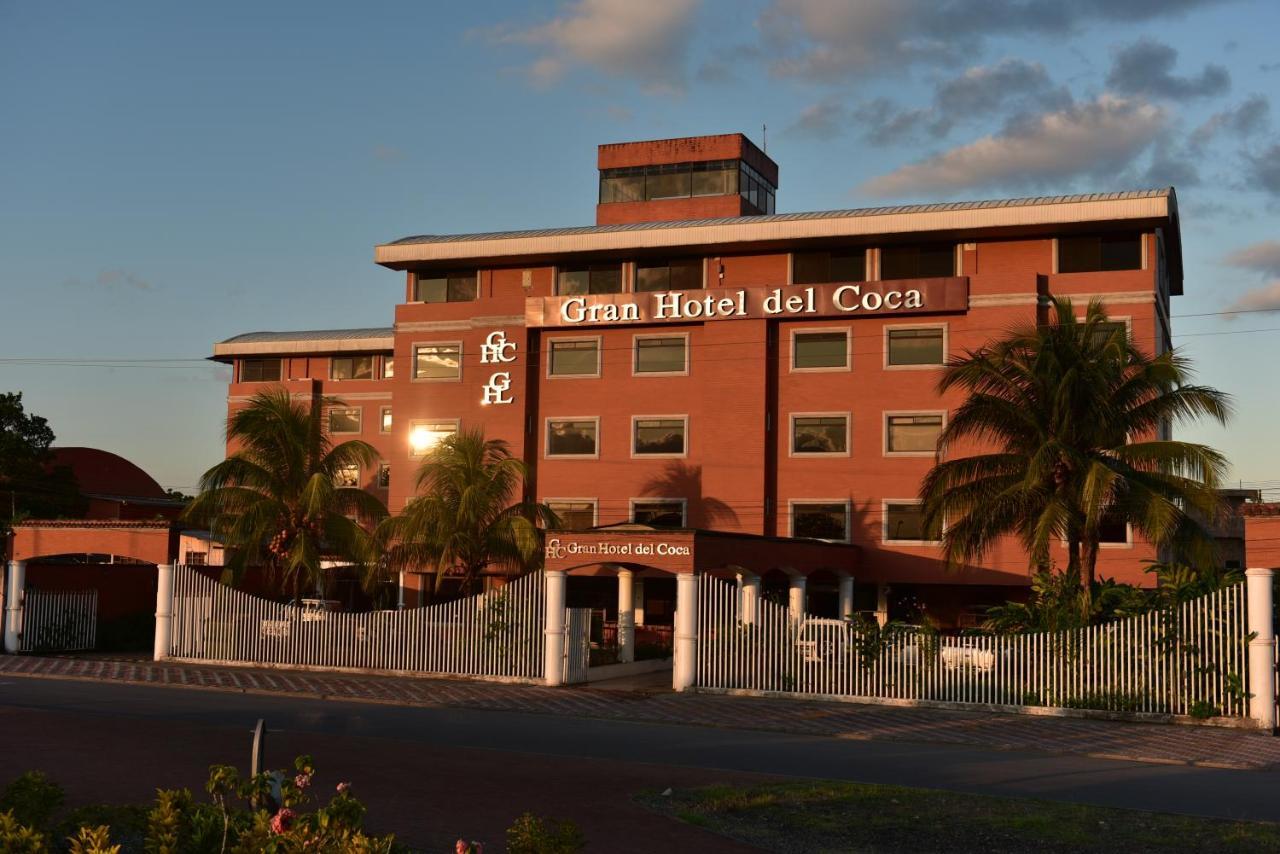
496,635
59,620
1192,661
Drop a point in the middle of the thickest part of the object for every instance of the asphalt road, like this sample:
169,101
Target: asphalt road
434,774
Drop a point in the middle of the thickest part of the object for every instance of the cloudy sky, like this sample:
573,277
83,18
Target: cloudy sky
174,174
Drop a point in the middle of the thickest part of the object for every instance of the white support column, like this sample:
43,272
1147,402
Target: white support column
750,597
796,597
1262,673
846,597
686,651
638,604
882,604
164,610
400,591
626,617
553,656
13,604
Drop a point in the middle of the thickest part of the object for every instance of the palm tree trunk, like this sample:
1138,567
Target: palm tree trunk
1073,557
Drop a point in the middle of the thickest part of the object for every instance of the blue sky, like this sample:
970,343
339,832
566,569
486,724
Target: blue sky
174,174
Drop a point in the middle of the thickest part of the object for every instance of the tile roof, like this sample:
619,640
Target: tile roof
311,335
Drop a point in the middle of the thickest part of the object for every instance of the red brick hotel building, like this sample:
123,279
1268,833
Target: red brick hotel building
697,360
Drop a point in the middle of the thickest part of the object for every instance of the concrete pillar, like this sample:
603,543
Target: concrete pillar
13,604
796,597
638,604
626,617
750,597
164,610
1262,673
400,591
686,650
845,609
882,604
553,656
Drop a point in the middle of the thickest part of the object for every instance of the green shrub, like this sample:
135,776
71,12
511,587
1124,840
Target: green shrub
92,840
1203,710
17,838
533,835
33,798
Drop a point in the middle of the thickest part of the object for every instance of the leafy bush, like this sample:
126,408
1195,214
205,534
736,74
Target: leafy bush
533,835
32,799
1203,710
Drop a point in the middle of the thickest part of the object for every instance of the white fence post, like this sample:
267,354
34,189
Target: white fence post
626,616
1262,673
553,653
686,646
164,610
13,605
796,598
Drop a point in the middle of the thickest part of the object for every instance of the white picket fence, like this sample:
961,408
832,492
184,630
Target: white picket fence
1194,662
59,620
495,635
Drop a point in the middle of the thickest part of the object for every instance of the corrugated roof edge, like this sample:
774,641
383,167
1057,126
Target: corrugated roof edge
889,210
311,335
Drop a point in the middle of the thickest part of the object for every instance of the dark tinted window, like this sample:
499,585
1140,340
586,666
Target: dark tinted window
915,346
1099,252
659,436
571,438
820,350
574,515
351,368
815,268
260,371
819,521
1113,529
575,358
918,262
906,522
591,279
447,287
683,274
819,434
659,514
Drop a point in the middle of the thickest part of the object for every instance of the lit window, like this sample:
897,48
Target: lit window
658,512
820,434
260,371
665,355
344,420
1099,252
385,426
663,437
820,520
912,434
918,262
347,476
912,347
904,523
351,368
446,287
384,476
679,275
388,368
574,358
425,435
574,515
816,268
437,362
820,350
572,437
590,279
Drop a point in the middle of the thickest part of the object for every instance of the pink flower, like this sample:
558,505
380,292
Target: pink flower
302,781
282,821
343,788
464,847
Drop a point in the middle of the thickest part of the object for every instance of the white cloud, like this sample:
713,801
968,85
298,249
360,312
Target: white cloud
647,41
1265,298
1263,257
1096,138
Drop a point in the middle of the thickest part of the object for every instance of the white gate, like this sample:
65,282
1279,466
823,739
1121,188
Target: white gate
59,620
577,645
1192,660
496,635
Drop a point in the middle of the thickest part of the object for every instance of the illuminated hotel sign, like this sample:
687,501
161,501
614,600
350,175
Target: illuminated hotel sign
915,296
558,550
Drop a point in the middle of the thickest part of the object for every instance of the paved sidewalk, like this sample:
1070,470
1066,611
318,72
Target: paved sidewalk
1161,743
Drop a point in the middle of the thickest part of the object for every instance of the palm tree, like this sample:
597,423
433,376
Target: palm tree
466,518
1074,411
278,501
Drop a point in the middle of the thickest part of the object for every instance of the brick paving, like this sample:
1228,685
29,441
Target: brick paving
1147,742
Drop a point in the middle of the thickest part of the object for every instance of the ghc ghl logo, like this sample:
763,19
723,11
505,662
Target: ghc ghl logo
497,350
554,551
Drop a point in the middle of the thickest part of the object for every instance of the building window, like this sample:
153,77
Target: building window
437,362
460,286
659,437
1099,252
590,279
666,354
425,435
260,371
819,435
1113,529
384,476
820,520
904,523
347,476
197,559
911,347
574,357
658,512
574,514
820,350
918,262
572,437
915,434
755,188
384,424
1103,332
388,367
817,268
671,181
344,420
683,274
351,368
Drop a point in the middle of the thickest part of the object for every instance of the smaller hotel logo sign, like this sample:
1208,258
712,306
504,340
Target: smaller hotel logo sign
915,296
558,550
497,350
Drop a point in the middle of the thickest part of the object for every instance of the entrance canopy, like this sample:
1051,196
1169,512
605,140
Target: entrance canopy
681,551
153,541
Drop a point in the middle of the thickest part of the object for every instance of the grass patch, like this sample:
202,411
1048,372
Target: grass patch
830,816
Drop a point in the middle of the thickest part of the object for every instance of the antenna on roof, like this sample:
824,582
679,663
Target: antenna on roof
764,138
